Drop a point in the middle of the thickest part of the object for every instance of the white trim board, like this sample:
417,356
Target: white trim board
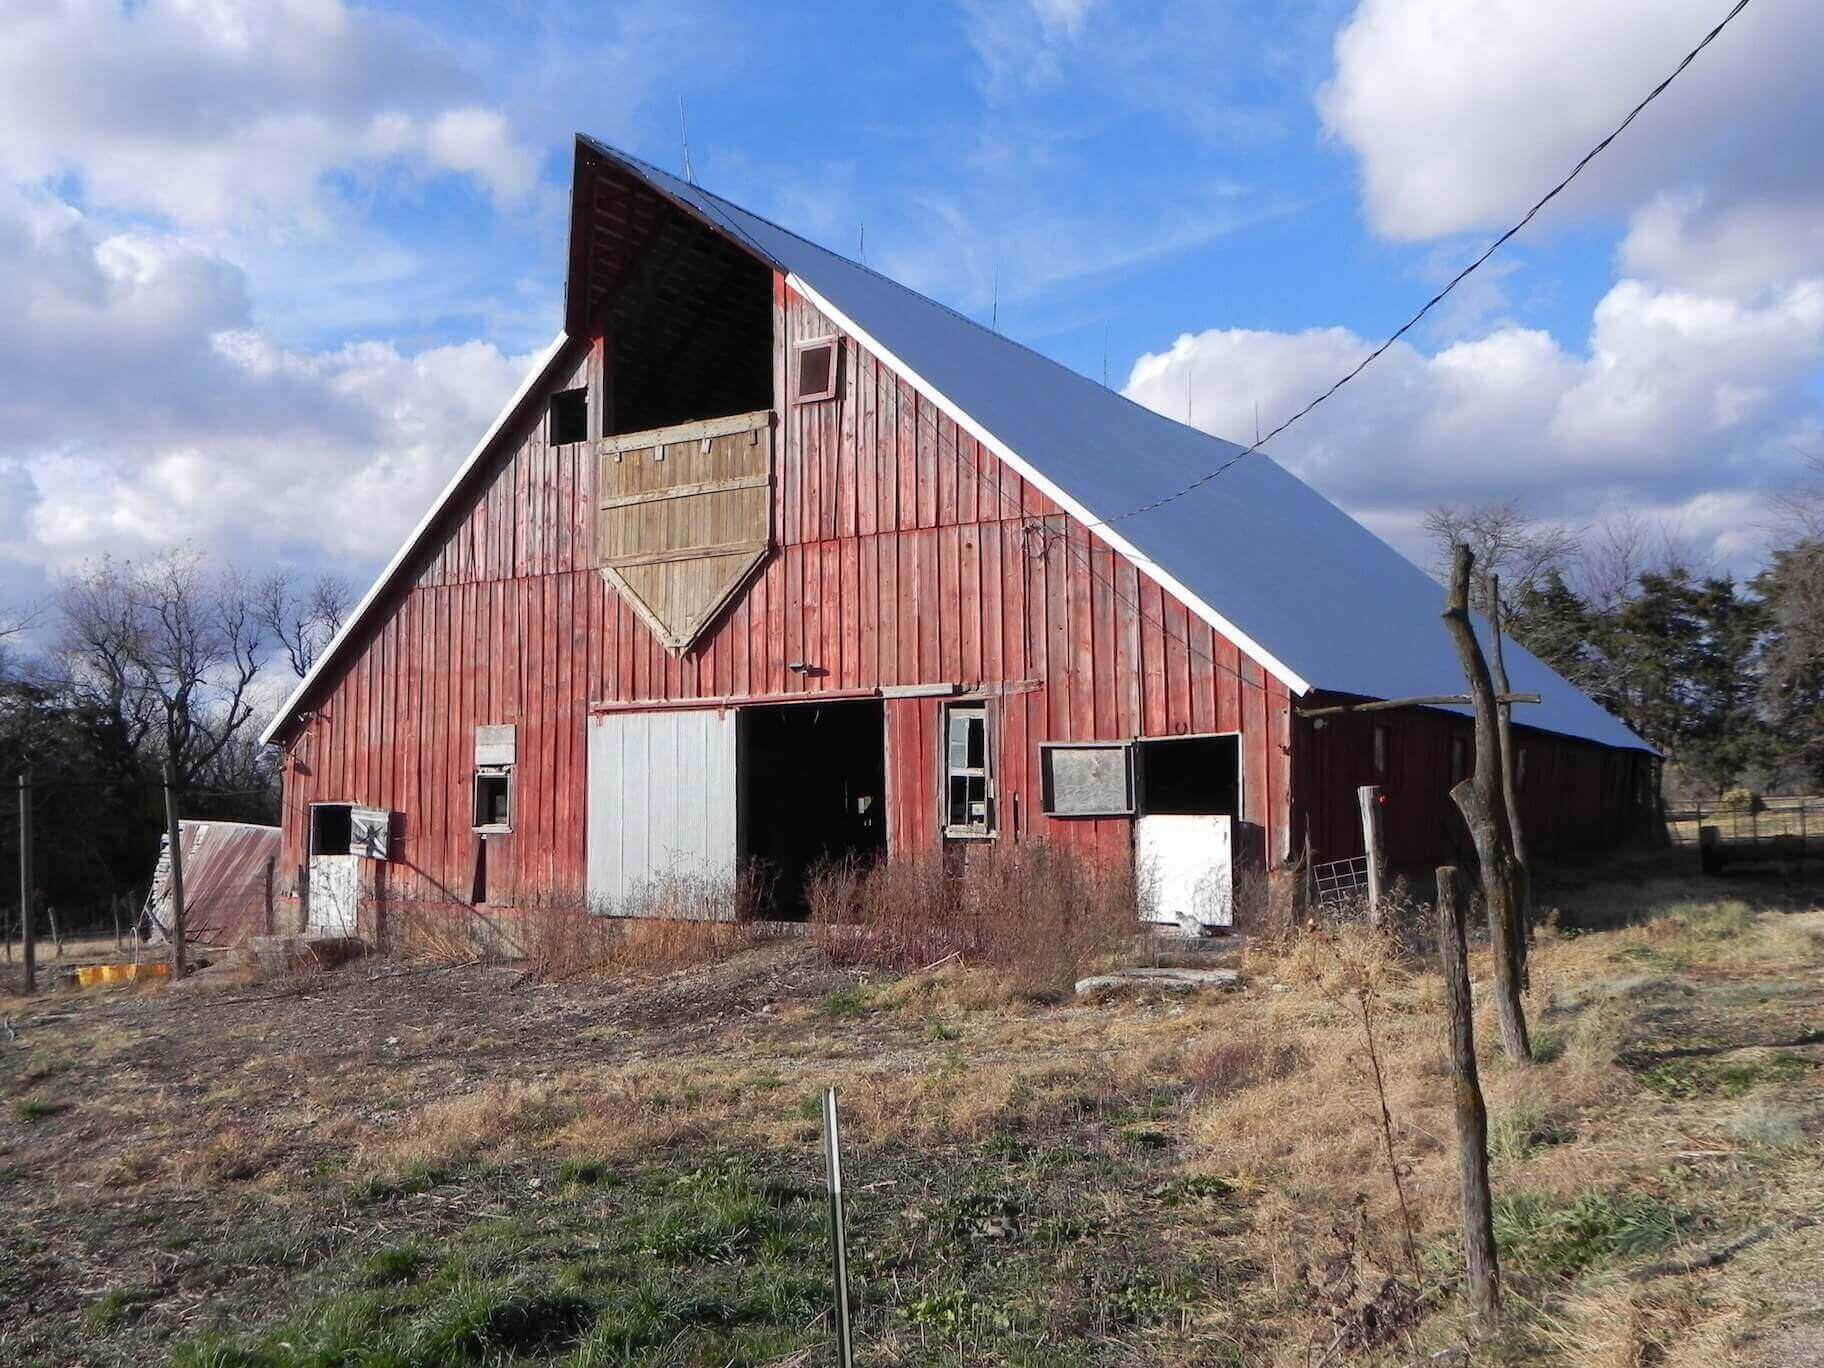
534,377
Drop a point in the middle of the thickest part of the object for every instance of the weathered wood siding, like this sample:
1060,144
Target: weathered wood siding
1577,796
905,554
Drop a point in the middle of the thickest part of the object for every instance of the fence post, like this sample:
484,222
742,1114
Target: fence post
1472,1115
1369,797
1710,849
27,949
839,1253
174,831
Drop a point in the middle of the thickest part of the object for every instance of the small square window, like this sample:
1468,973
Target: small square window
494,800
816,370
569,417
1087,778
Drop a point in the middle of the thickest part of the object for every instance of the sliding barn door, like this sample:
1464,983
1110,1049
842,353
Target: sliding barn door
662,813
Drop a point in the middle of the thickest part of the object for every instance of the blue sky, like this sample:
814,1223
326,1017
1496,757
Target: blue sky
266,270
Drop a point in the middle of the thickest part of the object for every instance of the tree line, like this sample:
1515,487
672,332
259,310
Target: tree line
176,659
1724,677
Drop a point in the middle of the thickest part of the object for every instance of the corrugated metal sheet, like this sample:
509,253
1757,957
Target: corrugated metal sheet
662,803
228,867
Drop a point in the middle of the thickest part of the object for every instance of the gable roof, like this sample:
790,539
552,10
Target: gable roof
1306,590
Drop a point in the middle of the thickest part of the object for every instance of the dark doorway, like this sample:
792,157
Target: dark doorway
1192,775
813,785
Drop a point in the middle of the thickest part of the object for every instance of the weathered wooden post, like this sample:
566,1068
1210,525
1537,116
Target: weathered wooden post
1369,797
1479,800
1472,1115
27,947
173,831
1510,785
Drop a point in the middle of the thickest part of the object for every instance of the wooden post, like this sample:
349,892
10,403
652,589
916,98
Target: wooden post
56,930
1479,800
27,947
269,907
174,832
1510,781
1369,797
1472,1116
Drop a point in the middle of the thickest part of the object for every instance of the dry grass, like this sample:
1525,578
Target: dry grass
1035,912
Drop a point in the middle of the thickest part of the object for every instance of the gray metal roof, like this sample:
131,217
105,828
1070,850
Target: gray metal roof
1289,575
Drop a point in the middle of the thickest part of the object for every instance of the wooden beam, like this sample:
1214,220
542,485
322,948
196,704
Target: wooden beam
679,553
1429,701
685,491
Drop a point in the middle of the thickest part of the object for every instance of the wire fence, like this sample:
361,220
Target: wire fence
1764,820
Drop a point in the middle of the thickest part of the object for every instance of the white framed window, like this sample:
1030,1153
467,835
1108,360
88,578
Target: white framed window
1086,778
815,370
494,798
968,794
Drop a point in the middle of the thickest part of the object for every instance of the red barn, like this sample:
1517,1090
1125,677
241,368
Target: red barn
771,557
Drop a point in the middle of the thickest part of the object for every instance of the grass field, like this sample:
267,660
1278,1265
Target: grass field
396,1164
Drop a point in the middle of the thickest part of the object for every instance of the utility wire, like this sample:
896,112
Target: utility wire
1455,281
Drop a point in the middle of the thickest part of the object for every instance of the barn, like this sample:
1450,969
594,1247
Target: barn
772,558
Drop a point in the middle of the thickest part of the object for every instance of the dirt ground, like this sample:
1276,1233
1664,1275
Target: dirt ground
399,1163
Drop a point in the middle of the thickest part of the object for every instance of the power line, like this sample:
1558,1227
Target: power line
1455,280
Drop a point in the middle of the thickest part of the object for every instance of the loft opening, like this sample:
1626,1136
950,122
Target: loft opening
686,312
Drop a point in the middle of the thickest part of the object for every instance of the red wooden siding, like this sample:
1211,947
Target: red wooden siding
1577,796
907,554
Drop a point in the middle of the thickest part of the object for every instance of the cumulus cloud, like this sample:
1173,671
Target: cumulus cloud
1686,406
212,113
1461,115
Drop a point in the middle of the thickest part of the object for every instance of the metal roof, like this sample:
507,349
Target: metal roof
1294,581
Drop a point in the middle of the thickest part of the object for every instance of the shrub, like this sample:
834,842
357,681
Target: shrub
1742,800
1033,910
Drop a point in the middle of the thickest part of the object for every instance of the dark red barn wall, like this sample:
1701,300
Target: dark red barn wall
906,554
1577,796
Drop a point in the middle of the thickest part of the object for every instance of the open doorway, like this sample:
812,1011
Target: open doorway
1188,801
813,785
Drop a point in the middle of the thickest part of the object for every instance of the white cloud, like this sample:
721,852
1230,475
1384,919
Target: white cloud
1740,248
1462,115
1685,405
216,113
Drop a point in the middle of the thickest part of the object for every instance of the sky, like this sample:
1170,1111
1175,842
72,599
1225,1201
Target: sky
269,268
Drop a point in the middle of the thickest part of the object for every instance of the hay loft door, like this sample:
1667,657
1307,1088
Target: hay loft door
683,515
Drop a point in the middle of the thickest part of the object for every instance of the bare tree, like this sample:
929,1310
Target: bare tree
1523,552
302,621
166,651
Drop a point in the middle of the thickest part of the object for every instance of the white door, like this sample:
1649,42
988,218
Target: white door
333,885
1186,869
662,813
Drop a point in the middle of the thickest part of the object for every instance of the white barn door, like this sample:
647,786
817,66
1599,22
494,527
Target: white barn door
662,812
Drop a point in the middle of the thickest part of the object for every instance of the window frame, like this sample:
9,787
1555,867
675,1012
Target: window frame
1048,796
488,772
799,349
987,829
558,396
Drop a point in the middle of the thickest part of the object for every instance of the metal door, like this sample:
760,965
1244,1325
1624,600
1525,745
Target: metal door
662,812
333,886
1186,869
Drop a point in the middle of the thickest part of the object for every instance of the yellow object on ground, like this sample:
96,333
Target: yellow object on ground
91,974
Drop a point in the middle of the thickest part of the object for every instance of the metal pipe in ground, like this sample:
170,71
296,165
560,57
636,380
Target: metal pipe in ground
839,1253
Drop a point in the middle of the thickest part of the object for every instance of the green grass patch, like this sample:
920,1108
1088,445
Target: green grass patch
1556,1237
845,1004
1698,1076
35,1109
399,1264
115,1308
